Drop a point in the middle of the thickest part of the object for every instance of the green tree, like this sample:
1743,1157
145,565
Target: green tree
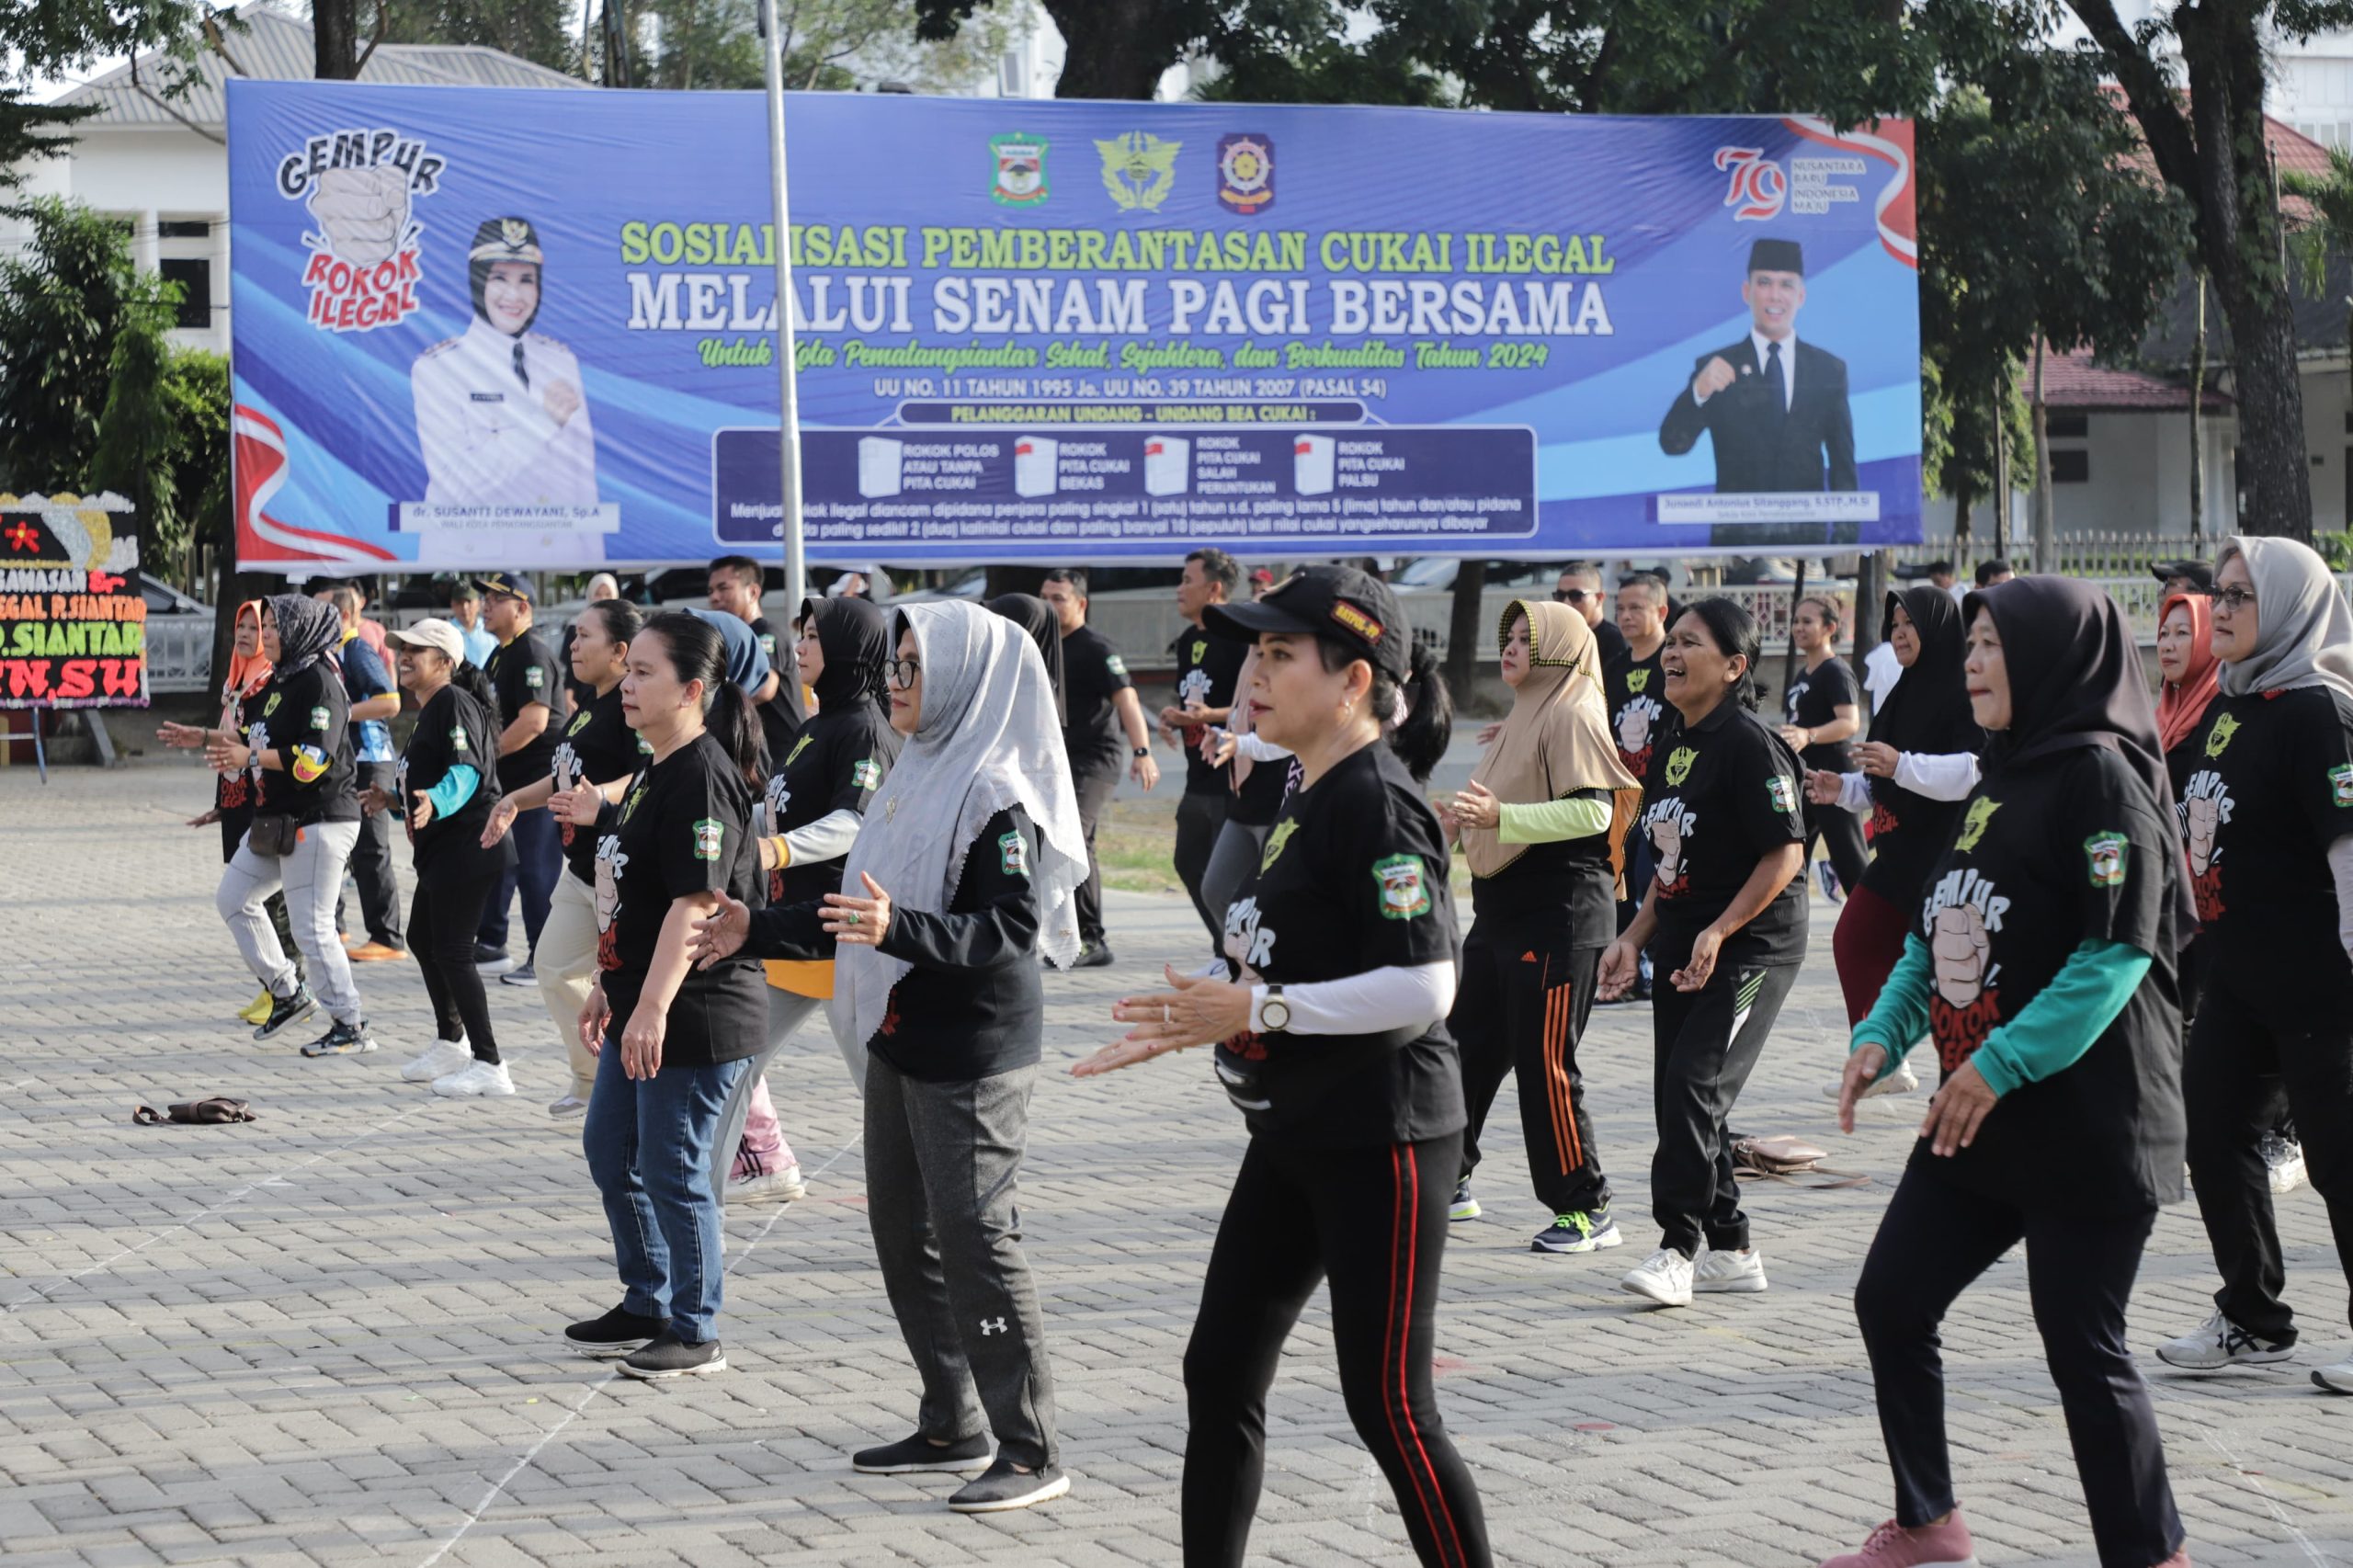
130,450
196,395
540,31
2324,234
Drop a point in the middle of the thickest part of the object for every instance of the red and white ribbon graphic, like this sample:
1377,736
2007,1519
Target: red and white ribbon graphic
1894,208
259,465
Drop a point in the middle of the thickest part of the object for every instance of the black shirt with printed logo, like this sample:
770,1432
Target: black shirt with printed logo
1721,795
1636,690
1093,676
304,718
683,827
973,1006
523,672
2045,859
598,745
1206,666
1353,878
2270,788
1813,700
455,730
836,763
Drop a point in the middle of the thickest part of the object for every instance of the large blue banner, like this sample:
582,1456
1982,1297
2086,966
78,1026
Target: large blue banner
535,328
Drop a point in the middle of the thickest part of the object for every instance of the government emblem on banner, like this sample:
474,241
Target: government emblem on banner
1245,173
1021,169
1138,170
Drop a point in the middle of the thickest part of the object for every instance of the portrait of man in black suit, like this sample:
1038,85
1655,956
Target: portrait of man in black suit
1773,407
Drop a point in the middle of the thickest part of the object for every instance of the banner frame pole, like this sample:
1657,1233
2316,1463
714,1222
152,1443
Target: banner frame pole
796,565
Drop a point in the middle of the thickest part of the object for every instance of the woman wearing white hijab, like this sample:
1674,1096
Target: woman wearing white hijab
2268,819
965,870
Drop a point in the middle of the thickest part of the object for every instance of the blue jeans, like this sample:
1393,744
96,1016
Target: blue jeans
538,861
648,1142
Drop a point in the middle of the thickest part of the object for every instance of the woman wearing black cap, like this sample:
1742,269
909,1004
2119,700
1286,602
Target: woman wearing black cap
1328,1015
2041,959
1725,917
499,410
1918,766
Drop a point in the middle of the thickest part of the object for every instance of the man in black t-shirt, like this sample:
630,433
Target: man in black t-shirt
735,585
1635,688
532,707
1579,587
1105,727
1206,666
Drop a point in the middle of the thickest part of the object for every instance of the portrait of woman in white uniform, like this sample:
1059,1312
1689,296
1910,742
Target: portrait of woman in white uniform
499,410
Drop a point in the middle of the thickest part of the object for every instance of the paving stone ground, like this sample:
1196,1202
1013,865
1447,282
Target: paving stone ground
328,1336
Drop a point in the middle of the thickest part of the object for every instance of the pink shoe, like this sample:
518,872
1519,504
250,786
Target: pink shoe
1945,1545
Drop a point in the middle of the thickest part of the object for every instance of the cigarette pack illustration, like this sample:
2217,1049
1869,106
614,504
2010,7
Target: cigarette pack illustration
1164,465
877,465
1033,465
1310,464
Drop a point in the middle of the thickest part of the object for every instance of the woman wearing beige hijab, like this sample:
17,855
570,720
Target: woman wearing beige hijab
1540,824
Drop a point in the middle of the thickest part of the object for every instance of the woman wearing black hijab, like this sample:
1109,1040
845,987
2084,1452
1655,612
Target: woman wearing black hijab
1036,616
2042,961
813,807
1917,766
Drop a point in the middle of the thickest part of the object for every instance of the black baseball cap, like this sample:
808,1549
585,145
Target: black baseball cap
2200,574
1352,608
514,585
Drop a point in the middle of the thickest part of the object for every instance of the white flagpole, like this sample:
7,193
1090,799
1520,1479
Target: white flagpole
796,565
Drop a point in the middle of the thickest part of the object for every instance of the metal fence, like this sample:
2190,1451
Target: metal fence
2089,553
179,654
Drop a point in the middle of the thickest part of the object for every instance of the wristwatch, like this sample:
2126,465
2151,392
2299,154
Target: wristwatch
1274,1013
1140,751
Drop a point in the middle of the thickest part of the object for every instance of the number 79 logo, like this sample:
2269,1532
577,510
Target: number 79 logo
1759,188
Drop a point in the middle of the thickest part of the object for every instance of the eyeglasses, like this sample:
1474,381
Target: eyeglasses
902,672
1572,596
2233,599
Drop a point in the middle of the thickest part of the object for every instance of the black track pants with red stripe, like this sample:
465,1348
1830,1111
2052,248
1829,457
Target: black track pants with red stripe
1522,1006
1295,1218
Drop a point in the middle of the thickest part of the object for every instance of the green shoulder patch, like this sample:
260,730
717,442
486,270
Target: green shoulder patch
2105,854
1013,855
710,834
866,773
1404,894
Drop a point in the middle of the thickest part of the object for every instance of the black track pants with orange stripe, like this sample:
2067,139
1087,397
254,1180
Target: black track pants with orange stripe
1522,1006
1374,1221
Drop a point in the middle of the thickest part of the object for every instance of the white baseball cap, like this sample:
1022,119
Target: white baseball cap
432,632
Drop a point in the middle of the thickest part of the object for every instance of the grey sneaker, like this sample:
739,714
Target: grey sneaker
1005,1488
667,1356
911,1456
1579,1232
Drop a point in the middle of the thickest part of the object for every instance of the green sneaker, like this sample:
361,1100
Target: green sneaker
1464,1206
1577,1232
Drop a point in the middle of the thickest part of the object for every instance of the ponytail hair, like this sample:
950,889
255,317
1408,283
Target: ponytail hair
1420,734
696,651
1734,632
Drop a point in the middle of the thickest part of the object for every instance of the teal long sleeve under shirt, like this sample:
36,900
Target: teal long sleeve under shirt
2051,1031
457,787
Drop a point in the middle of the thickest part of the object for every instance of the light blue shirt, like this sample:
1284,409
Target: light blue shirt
480,645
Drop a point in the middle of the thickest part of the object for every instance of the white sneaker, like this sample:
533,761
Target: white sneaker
2219,1342
446,1057
2336,1379
768,1187
475,1078
1665,1276
1736,1273
571,1105
2283,1163
1903,1081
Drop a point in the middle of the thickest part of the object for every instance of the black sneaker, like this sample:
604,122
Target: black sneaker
1579,1232
1464,1206
344,1039
1005,1488
1096,956
667,1356
910,1456
521,974
285,1010
489,960
617,1333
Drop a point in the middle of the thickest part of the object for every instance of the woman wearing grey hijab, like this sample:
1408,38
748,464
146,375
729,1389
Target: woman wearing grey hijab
964,872
2267,820
306,820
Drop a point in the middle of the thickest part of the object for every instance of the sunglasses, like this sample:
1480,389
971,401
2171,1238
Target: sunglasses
1572,596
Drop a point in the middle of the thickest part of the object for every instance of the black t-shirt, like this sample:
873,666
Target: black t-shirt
777,726
1258,799
1813,700
1353,878
2047,857
1636,690
1907,832
1206,666
454,730
836,763
598,745
1720,796
521,673
303,718
684,826
2270,788
1611,643
1093,676
1565,882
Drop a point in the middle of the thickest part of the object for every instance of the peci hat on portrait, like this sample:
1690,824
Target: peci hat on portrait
1352,608
1776,255
431,633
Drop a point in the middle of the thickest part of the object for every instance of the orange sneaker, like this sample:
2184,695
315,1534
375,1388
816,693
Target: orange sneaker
375,952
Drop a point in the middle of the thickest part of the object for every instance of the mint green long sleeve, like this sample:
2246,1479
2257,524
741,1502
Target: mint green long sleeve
1551,821
2051,1031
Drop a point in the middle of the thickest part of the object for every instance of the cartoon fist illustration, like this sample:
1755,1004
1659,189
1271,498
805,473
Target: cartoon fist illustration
2204,814
363,213
1959,947
1666,837
1633,728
